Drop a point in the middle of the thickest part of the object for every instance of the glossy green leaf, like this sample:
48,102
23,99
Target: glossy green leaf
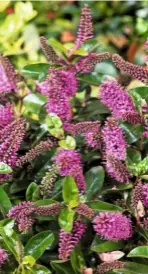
98,245
140,251
138,101
91,78
5,203
139,168
103,206
133,156
4,168
28,260
35,71
53,121
68,143
142,91
62,267
30,190
57,45
12,241
132,268
90,45
94,181
38,244
70,192
66,218
40,269
45,202
132,132
33,102
77,260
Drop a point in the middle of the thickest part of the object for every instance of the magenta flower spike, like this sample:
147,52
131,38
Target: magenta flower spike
113,226
6,115
8,77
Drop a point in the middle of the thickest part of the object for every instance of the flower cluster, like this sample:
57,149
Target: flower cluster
113,226
107,266
69,163
85,210
68,240
140,193
24,213
114,140
6,115
119,102
3,256
8,79
135,71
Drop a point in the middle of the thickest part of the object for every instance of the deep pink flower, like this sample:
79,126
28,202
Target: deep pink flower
93,140
119,102
113,226
10,139
22,214
3,256
145,194
117,169
82,127
85,31
136,71
68,240
113,139
8,77
69,163
61,107
6,115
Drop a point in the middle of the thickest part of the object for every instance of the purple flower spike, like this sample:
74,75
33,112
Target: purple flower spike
8,77
117,169
113,226
69,163
85,31
119,102
6,115
136,71
3,256
69,240
114,140
145,194
22,214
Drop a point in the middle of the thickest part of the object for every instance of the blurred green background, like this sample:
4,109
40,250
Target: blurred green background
120,26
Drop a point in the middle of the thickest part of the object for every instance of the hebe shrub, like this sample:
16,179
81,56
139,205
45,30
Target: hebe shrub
73,168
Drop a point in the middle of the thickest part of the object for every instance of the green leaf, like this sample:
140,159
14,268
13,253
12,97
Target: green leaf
33,102
132,268
66,218
140,251
5,203
12,241
139,168
55,44
70,192
138,101
133,156
142,91
36,71
90,45
94,181
40,269
53,121
98,245
103,206
77,260
91,78
61,267
45,202
4,5
68,143
132,132
38,244
28,260
4,168
30,190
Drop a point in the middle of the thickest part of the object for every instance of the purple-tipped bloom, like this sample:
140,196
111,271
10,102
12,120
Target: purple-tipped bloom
117,169
6,115
8,77
10,139
69,163
59,86
85,31
145,194
93,140
118,101
113,226
82,127
114,140
22,214
3,256
136,71
68,240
